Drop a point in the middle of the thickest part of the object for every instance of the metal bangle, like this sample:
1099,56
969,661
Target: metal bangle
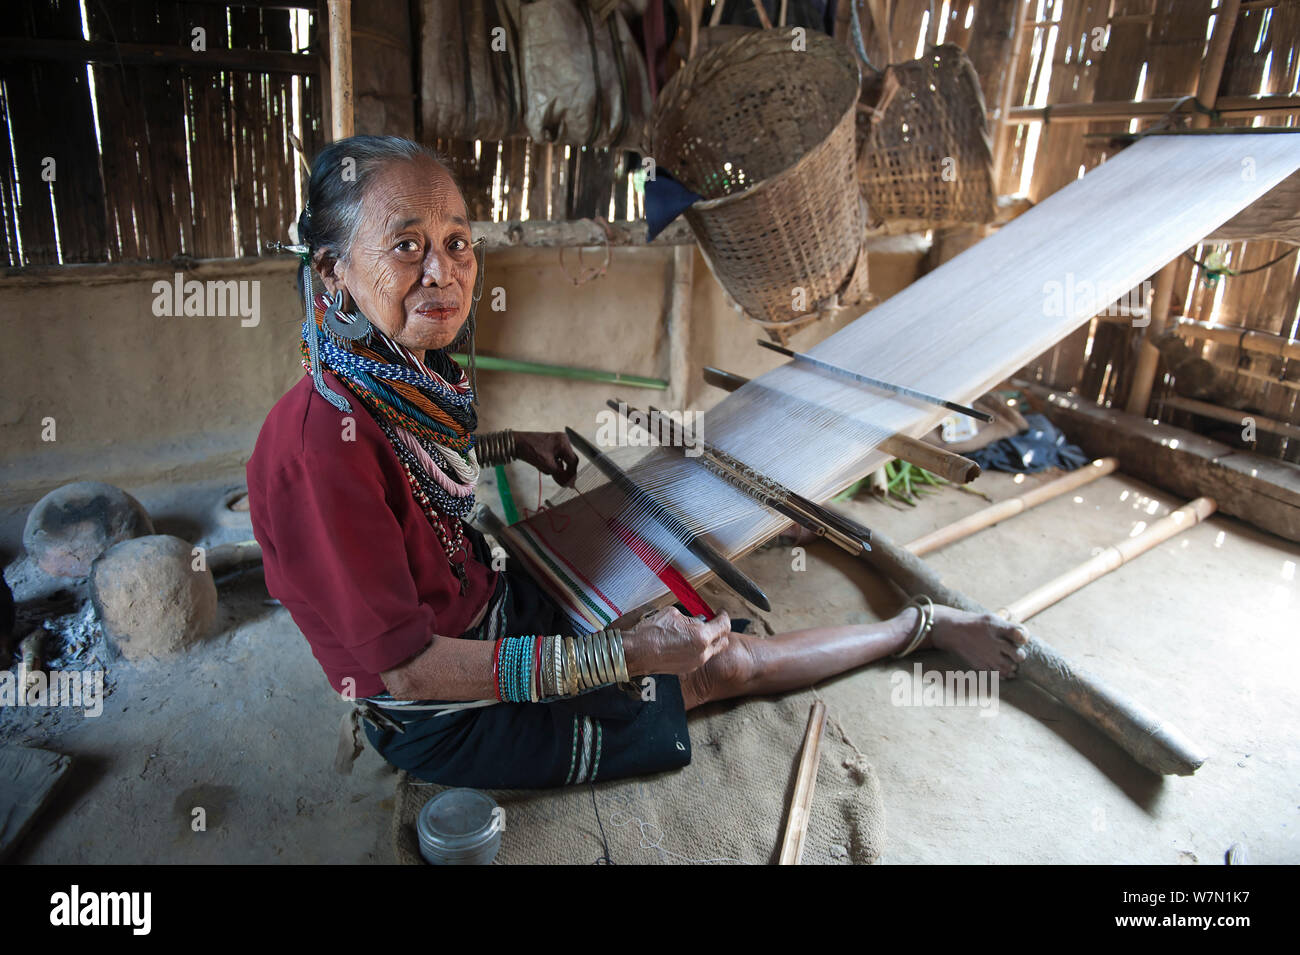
606,657
620,657
575,670
925,608
588,661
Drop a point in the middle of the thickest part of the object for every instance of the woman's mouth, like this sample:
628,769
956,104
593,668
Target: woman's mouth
438,313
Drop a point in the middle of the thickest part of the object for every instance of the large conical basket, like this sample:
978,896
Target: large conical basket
762,127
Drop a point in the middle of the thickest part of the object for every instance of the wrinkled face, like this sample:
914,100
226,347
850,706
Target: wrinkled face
411,267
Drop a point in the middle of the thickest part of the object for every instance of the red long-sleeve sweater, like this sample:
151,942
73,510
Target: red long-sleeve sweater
345,546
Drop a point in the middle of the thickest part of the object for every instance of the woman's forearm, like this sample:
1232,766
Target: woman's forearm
447,669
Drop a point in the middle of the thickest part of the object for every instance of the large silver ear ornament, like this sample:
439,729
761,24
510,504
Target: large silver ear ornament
356,328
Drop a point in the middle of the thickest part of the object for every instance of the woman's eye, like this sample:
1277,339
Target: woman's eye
459,245
408,245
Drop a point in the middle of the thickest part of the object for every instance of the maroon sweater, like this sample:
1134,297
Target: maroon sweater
345,545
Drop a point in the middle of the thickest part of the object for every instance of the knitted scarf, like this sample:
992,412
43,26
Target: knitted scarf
426,413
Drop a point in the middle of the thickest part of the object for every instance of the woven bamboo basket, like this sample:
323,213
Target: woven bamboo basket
765,133
924,158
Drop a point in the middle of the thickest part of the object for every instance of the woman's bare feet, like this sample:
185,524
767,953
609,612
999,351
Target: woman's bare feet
983,640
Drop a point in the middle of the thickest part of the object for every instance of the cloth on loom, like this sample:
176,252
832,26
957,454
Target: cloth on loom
1040,446
957,331
607,733
730,804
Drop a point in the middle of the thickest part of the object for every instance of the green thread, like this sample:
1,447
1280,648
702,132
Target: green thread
507,498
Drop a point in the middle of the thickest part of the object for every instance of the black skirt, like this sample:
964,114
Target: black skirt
609,733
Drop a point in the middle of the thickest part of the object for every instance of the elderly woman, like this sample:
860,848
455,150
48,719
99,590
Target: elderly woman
360,484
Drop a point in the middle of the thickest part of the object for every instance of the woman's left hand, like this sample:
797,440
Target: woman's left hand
549,452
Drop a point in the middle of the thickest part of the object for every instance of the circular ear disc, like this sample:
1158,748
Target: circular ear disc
357,328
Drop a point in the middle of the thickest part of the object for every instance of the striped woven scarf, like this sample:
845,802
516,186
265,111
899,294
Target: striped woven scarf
426,412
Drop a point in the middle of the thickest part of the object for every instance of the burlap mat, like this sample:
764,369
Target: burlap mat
729,805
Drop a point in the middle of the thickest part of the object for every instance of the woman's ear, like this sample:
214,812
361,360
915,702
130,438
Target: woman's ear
330,271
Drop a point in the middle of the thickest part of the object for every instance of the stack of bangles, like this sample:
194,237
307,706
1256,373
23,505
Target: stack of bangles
534,668
495,447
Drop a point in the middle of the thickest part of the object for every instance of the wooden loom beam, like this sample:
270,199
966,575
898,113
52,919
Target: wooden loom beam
1152,742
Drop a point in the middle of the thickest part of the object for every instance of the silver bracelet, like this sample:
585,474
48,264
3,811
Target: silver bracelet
495,447
925,607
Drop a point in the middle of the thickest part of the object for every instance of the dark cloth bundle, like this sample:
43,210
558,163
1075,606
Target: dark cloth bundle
1040,446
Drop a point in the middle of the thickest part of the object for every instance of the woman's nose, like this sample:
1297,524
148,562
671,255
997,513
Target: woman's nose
435,270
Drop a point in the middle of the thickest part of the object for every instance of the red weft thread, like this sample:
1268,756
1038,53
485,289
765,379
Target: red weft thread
659,566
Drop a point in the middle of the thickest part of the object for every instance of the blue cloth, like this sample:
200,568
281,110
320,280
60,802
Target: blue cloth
665,200
1040,446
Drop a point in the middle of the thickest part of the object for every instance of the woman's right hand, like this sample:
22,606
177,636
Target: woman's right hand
668,641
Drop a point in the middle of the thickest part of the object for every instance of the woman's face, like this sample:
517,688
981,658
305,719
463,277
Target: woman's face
411,268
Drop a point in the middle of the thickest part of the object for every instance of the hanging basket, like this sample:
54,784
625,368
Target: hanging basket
765,133
924,158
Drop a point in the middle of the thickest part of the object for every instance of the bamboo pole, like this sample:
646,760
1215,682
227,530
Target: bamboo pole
1248,372
1248,339
1004,509
678,325
1187,516
342,119
1144,375
796,824
949,466
1002,143
1121,110
1155,744
493,363
1231,415
1207,91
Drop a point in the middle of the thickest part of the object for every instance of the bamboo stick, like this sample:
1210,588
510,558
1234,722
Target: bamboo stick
1207,87
949,466
1231,415
1114,111
342,117
1004,509
1248,372
1155,744
796,824
1249,339
1144,374
1187,516
1002,143
678,325
493,363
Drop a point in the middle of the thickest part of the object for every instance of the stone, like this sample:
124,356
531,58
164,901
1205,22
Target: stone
150,601
73,524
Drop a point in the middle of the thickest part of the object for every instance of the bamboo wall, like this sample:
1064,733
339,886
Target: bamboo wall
198,160
1161,43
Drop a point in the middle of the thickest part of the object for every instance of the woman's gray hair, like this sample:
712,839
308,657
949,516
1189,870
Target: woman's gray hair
339,176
